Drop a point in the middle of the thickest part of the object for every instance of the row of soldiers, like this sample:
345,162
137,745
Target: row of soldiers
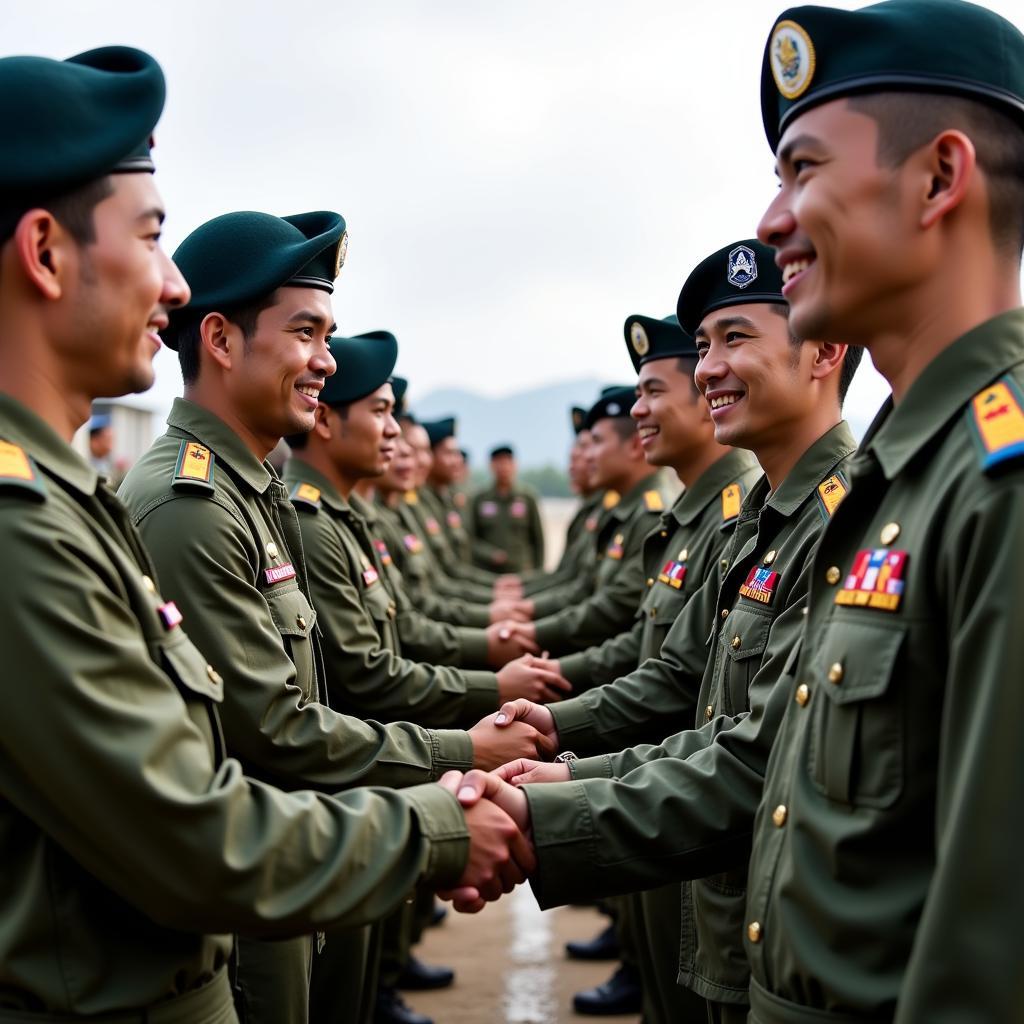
782,708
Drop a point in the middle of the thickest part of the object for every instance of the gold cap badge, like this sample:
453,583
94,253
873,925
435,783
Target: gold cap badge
792,57
641,343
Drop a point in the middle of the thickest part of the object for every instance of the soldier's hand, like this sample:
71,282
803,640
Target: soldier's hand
517,773
504,644
533,679
536,715
508,587
493,746
511,609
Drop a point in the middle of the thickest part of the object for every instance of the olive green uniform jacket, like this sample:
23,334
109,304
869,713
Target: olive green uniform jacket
678,556
508,535
889,886
755,618
358,616
454,544
617,583
131,843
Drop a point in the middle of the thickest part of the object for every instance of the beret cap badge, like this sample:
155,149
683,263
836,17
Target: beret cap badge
339,260
638,336
792,58
742,266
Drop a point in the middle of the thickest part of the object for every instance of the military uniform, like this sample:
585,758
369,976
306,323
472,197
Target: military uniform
509,524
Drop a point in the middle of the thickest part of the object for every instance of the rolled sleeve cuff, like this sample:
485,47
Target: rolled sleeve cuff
575,667
549,633
565,841
481,694
600,767
472,645
452,748
574,722
443,824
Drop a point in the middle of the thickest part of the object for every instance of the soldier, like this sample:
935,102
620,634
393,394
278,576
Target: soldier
253,351
505,519
132,846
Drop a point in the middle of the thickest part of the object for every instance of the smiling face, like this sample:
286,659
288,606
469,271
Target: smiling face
364,434
843,225
611,456
400,472
276,374
671,417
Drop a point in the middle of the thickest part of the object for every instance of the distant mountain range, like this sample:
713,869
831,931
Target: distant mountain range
535,422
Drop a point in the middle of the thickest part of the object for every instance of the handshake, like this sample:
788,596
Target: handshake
501,850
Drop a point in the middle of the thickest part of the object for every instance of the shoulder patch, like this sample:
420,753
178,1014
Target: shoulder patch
732,500
610,499
194,467
411,498
18,470
831,492
997,422
653,501
306,495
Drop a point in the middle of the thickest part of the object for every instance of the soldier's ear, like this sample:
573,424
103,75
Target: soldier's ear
45,251
215,339
322,422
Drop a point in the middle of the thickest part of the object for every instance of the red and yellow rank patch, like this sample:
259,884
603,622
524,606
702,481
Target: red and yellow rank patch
615,549
760,585
831,492
998,423
875,581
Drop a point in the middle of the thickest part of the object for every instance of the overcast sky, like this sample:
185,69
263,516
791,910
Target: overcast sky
517,177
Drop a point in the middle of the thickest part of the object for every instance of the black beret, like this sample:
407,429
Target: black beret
400,386
741,273
817,54
64,123
648,339
578,414
238,258
365,362
502,449
614,403
439,430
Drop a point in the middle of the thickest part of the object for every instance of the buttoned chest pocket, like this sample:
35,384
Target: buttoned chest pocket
294,618
743,638
856,746
199,684
378,603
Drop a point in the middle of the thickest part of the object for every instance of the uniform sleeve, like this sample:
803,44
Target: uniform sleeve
616,657
536,532
105,760
363,677
203,556
965,963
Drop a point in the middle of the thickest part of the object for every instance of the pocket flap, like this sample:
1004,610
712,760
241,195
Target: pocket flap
292,613
189,669
745,634
857,660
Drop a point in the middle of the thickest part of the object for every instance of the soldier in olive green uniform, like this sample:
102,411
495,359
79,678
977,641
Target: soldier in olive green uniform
504,520
133,846
226,539
753,605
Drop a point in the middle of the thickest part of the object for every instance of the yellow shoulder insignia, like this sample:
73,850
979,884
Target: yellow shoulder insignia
18,470
732,499
411,498
194,468
653,501
998,423
610,499
831,492
306,495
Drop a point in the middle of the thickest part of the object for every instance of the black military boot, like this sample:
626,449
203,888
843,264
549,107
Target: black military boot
602,947
391,1009
621,993
417,976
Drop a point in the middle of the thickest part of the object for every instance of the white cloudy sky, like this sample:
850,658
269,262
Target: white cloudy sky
517,177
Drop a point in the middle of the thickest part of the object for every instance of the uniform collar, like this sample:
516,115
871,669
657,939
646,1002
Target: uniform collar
813,466
297,471
20,426
629,500
710,484
942,390
213,432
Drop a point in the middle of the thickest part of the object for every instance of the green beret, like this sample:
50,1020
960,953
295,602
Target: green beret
817,54
400,386
614,403
238,258
502,449
365,362
578,414
737,274
64,123
648,339
439,430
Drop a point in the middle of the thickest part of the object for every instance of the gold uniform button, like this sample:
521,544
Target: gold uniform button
736,641
725,613
272,551
709,712
392,611
653,612
833,575
149,584
300,622
683,555
663,533
803,694
890,532
754,931
650,582
213,675
779,815
724,563
835,673
770,557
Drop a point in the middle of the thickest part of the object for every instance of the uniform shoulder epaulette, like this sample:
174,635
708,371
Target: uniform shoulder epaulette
411,498
997,424
18,471
610,499
193,470
653,501
831,492
306,496
732,501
